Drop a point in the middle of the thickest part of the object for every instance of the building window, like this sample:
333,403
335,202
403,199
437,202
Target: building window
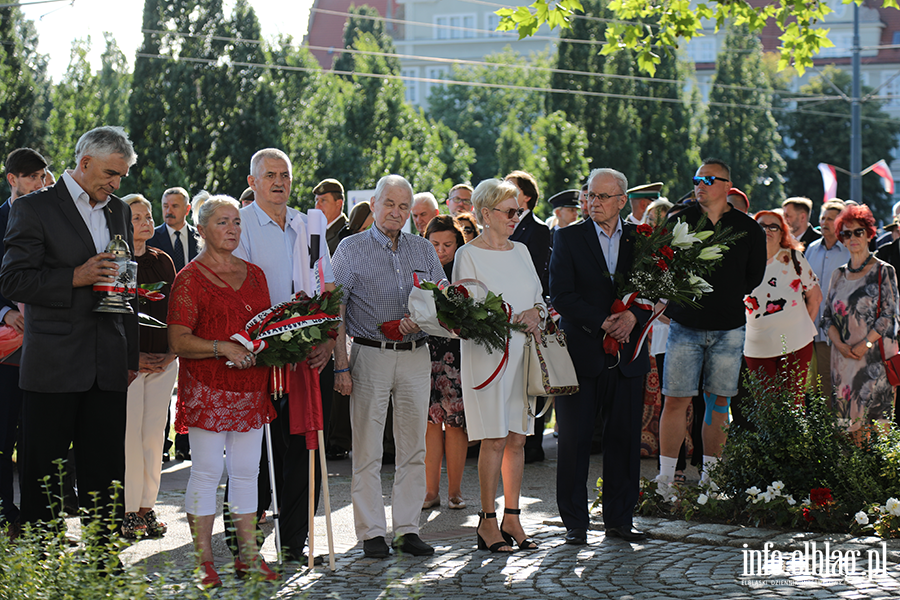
843,46
892,89
454,27
410,84
491,21
434,73
702,50
895,38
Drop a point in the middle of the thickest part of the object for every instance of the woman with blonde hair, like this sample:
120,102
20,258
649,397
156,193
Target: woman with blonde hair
497,414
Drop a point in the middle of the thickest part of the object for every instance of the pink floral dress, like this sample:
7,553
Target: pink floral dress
863,394
446,404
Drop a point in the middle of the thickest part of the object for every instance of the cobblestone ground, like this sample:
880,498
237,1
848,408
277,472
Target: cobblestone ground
682,561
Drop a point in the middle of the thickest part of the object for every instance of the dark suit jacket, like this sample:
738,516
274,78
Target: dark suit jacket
537,238
333,235
67,346
162,241
583,295
4,220
809,236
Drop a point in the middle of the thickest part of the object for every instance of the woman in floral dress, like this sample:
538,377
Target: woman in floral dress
860,314
446,430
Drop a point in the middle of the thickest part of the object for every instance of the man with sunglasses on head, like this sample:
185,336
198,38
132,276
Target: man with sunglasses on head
709,339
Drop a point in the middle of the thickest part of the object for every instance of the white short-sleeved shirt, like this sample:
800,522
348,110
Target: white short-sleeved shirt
776,309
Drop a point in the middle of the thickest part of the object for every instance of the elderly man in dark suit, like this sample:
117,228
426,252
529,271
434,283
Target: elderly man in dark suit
583,289
75,362
175,236
537,238
25,173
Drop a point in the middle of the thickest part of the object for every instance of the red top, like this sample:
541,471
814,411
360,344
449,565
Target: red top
212,396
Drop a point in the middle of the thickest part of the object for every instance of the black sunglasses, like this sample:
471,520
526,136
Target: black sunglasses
847,234
511,212
708,179
770,227
469,230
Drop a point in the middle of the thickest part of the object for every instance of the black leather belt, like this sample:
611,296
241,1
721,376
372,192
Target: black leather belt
390,345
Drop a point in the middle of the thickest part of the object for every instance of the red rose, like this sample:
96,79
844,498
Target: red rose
820,496
391,330
662,265
332,333
807,515
667,252
645,229
314,308
462,291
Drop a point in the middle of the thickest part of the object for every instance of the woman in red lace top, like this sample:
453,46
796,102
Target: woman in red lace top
222,396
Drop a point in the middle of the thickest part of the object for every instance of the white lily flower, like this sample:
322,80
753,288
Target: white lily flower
699,284
702,235
702,499
861,518
777,486
790,500
682,237
752,491
711,253
893,506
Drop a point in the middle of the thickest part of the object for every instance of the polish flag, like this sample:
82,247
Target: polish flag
829,181
887,180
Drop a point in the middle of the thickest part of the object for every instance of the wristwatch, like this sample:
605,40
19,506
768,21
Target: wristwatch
868,343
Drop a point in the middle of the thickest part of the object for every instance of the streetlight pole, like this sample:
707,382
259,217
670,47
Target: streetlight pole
856,133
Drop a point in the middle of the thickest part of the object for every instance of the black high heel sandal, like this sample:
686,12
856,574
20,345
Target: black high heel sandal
482,545
527,543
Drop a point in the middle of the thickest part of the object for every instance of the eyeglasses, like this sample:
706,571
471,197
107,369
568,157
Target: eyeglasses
511,212
459,200
846,234
468,230
591,196
708,180
770,227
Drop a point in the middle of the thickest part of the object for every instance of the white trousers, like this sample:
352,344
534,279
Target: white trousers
145,423
242,450
378,376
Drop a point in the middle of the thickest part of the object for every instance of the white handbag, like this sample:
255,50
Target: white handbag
548,367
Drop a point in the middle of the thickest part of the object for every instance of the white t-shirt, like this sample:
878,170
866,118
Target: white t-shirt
776,310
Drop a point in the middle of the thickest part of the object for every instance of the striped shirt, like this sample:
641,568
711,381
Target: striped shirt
377,279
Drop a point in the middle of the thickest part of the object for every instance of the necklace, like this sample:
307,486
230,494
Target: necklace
861,267
505,244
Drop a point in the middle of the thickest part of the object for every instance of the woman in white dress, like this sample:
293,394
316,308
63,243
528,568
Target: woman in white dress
497,414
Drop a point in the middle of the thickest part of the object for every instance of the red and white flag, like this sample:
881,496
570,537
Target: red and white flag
829,181
887,180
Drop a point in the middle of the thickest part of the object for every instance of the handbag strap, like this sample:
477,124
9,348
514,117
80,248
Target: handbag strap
529,340
878,315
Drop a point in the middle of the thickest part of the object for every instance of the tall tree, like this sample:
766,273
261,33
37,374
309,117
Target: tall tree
366,21
24,86
477,114
742,130
823,135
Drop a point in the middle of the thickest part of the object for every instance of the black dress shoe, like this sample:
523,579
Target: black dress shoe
629,534
303,559
576,537
411,543
166,457
376,548
179,455
337,454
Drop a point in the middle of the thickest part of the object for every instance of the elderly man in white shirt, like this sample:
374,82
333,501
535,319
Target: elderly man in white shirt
274,238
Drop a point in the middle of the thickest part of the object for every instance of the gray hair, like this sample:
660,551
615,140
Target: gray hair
391,181
212,205
661,205
176,191
426,198
269,153
618,175
489,193
137,199
103,141
198,200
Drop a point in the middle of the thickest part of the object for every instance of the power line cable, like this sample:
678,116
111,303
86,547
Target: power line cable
387,76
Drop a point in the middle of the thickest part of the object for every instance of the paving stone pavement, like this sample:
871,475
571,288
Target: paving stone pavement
680,560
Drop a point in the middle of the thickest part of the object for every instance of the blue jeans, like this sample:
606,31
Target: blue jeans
717,353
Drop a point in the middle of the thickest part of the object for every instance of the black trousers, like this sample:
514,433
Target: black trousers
619,400
291,460
93,423
10,407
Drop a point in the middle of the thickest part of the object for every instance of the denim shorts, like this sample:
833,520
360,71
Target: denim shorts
717,353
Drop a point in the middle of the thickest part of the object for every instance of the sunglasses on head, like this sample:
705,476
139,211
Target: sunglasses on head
511,212
846,234
708,179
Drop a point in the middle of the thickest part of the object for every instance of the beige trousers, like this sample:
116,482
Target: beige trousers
145,423
380,376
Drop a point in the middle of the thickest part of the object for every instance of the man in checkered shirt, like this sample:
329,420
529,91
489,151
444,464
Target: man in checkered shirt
375,269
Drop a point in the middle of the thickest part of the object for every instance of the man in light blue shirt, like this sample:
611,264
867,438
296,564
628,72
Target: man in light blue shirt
269,239
824,256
